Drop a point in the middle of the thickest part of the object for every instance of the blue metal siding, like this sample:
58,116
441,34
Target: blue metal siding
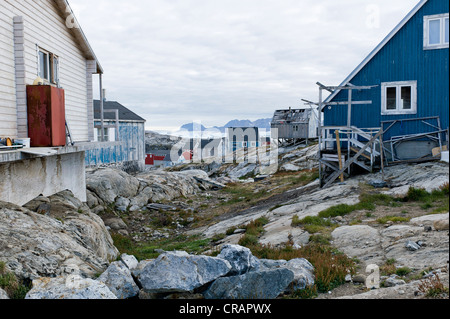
132,147
403,58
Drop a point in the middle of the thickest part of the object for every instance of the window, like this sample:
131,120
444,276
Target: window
436,31
48,66
99,134
399,98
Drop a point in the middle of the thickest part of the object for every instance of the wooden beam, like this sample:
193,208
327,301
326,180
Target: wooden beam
351,161
346,103
338,143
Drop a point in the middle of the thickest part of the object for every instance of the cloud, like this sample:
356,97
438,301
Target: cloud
176,61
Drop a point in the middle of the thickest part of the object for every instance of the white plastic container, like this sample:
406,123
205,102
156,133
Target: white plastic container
26,142
444,157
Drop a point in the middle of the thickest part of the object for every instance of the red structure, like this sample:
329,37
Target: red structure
46,116
150,159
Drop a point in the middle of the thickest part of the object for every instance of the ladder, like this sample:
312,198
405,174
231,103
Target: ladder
69,139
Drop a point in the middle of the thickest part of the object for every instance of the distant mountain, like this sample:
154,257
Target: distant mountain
191,126
261,123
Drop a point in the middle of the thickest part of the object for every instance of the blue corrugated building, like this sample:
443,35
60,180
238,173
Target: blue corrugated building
124,134
410,72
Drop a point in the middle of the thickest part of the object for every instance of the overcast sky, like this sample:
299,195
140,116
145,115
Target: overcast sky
177,61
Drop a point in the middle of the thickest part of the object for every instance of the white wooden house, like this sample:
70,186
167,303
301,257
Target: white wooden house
41,39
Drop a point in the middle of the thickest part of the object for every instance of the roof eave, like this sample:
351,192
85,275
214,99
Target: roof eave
66,11
378,48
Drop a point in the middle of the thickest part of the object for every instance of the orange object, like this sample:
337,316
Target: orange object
46,116
8,142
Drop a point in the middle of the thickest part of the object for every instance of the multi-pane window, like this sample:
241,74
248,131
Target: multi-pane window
48,66
436,31
399,98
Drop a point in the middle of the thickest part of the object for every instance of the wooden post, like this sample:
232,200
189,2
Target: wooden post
382,156
338,142
349,115
320,136
102,116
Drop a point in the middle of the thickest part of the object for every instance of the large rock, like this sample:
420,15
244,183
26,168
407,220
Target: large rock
71,287
240,258
67,237
109,184
119,280
429,220
361,241
267,284
303,273
114,186
181,272
3,294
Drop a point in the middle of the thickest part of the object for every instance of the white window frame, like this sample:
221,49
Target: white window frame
98,134
398,86
52,71
426,31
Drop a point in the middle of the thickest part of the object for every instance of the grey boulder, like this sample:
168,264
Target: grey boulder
267,284
119,280
181,272
71,287
240,258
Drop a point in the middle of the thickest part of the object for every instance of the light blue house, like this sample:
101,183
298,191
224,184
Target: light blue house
242,138
122,128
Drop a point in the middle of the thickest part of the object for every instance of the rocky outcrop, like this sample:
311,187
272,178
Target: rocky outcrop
266,284
240,259
119,280
60,236
3,294
72,287
181,272
412,244
108,186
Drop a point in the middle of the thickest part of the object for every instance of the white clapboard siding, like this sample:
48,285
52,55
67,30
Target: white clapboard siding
8,114
44,27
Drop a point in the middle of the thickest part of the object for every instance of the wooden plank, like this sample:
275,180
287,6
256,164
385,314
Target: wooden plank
351,161
338,143
357,150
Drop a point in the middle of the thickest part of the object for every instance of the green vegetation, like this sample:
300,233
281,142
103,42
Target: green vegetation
403,271
331,266
11,284
253,231
438,200
312,224
147,250
433,288
394,219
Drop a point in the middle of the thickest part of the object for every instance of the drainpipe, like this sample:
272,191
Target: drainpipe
102,116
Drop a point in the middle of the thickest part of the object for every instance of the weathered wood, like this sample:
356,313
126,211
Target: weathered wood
351,161
357,150
338,143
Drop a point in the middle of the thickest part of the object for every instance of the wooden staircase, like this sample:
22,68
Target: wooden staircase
363,149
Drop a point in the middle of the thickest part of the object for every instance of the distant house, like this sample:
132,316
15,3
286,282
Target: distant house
160,158
409,70
295,125
123,127
242,138
46,71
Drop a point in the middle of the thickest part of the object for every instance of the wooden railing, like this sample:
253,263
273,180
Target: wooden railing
364,142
